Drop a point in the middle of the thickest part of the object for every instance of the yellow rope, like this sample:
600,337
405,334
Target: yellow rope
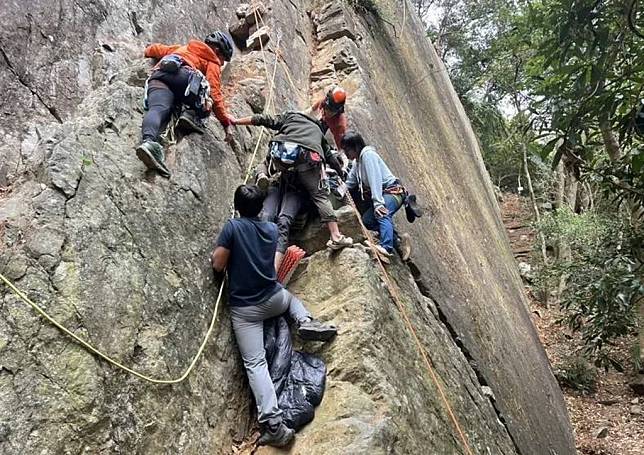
410,327
106,357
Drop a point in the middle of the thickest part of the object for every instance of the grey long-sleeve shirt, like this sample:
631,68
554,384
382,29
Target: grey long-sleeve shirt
371,171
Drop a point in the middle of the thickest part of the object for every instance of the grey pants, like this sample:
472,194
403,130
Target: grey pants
248,325
309,180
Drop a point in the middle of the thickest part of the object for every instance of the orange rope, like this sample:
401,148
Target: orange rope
396,298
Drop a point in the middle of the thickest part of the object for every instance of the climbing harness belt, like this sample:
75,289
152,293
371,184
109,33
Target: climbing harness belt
107,358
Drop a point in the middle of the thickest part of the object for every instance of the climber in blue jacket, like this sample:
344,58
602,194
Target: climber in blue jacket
378,194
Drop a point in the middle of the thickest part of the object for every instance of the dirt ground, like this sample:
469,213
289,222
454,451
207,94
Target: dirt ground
606,421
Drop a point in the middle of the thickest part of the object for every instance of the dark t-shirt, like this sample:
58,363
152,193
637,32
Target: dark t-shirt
251,271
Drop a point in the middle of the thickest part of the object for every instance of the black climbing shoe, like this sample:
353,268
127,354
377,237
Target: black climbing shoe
276,435
190,122
314,330
151,153
263,182
412,209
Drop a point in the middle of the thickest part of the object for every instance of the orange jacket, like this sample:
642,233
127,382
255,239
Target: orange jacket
199,56
337,124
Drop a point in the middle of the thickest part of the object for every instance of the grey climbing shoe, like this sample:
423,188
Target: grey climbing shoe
404,247
190,122
276,435
342,242
151,153
314,330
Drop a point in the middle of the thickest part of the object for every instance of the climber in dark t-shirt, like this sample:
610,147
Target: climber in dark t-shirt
246,248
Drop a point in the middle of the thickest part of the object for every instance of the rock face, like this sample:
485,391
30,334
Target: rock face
379,397
121,257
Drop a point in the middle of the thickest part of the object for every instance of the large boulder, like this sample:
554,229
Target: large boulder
380,397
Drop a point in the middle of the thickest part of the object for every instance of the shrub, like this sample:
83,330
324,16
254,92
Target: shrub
604,277
577,373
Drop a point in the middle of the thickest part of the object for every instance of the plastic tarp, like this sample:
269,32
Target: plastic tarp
299,378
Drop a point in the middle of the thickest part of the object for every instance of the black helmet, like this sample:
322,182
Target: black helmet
222,42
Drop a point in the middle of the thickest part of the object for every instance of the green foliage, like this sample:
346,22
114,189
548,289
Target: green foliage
586,66
623,180
604,278
562,80
577,373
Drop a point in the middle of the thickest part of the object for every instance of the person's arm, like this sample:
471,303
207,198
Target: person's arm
219,259
157,50
374,178
225,243
274,122
213,74
334,161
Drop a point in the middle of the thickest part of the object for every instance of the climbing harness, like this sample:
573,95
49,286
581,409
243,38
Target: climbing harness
108,358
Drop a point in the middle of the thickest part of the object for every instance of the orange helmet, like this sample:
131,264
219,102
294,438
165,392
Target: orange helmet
335,99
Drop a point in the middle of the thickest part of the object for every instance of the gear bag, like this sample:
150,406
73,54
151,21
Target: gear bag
170,63
286,153
299,378
197,91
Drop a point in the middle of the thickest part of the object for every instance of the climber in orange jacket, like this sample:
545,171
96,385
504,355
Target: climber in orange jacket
330,110
185,75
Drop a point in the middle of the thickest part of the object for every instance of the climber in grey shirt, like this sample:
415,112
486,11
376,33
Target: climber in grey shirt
377,193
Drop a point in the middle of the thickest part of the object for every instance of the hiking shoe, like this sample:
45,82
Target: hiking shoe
151,153
190,122
277,436
412,209
404,247
314,330
379,251
342,242
262,182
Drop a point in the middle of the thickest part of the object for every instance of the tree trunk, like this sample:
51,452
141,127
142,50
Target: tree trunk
564,253
561,185
537,216
533,198
610,141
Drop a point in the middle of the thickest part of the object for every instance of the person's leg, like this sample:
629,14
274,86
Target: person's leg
250,339
160,102
386,223
308,328
289,208
271,205
248,325
369,220
309,180
262,173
